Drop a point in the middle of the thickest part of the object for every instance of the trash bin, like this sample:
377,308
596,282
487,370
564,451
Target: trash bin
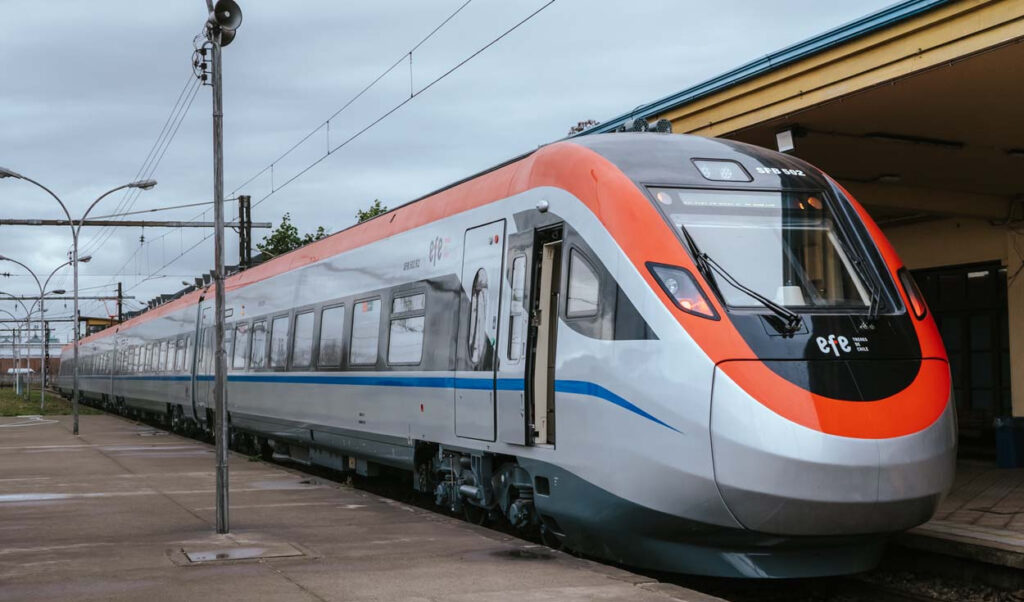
1009,442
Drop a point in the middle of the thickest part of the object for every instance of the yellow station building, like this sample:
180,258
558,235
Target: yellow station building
918,110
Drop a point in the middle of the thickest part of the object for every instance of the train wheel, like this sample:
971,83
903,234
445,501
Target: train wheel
548,538
474,514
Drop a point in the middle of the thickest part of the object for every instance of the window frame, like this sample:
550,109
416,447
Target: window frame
405,315
517,313
265,320
341,338
234,347
287,316
575,252
312,339
351,331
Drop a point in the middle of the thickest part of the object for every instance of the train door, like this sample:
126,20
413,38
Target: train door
541,339
477,342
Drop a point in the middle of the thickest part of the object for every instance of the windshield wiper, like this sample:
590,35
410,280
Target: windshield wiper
791,319
874,286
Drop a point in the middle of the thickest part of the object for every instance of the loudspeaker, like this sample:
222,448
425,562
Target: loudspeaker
226,15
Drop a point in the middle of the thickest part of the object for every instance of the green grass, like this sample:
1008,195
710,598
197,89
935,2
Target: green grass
13,405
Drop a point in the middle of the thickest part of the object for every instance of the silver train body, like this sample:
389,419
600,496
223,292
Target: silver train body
501,341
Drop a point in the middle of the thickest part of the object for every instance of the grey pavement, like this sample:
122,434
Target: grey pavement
115,513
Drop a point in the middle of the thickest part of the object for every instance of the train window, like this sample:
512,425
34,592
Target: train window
258,355
405,341
408,304
161,362
188,353
229,344
332,326
241,346
302,340
517,310
279,342
405,337
365,331
582,296
179,355
148,365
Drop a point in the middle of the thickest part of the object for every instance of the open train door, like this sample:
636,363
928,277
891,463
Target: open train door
477,341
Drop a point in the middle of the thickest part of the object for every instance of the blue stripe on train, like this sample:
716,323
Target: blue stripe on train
576,387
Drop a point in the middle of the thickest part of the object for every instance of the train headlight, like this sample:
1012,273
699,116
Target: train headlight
917,304
680,286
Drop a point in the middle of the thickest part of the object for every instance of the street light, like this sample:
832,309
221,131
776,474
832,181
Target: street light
15,345
42,327
42,310
76,228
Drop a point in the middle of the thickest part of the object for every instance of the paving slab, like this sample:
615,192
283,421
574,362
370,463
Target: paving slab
981,519
126,512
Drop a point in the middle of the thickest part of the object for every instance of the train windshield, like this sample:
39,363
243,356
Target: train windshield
783,245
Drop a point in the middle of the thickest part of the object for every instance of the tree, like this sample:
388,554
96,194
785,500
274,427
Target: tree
582,125
286,238
371,212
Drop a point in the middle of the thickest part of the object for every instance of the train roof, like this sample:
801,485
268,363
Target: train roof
645,158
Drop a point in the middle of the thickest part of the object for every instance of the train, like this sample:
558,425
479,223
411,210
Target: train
676,353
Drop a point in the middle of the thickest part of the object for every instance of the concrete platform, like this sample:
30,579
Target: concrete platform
982,518
126,512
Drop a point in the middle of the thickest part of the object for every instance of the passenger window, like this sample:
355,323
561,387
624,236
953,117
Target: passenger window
258,356
583,288
517,310
179,355
279,342
405,337
302,340
188,354
332,325
365,331
229,344
241,346
162,364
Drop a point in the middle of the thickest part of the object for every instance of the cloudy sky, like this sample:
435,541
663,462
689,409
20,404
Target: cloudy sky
88,86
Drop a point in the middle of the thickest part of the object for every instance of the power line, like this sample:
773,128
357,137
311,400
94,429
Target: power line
307,136
155,209
326,123
153,157
330,150
413,95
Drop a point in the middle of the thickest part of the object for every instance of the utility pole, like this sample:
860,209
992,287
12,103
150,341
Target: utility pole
120,303
244,231
221,24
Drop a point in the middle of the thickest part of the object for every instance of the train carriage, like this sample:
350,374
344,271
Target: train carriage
678,353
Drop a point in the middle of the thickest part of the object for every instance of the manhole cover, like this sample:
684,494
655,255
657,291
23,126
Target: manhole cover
241,553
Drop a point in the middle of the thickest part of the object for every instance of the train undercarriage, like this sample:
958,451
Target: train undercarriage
482,487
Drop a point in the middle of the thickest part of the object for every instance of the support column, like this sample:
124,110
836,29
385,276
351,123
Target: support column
1015,307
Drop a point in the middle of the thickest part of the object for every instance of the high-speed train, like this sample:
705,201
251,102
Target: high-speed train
676,353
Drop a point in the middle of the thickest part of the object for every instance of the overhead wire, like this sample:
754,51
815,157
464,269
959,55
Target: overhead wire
153,158
413,95
358,95
330,150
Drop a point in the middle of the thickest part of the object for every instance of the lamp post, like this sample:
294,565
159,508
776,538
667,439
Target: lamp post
15,343
75,229
42,310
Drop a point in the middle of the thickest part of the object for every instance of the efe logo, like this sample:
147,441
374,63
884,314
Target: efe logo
833,344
